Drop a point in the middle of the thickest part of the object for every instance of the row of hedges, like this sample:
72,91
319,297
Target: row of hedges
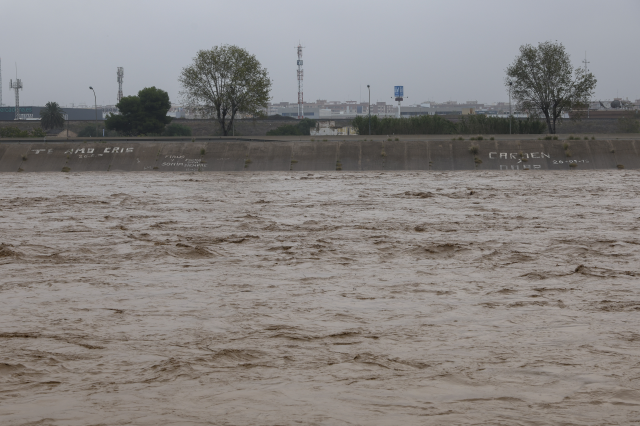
170,130
14,132
436,125
301,128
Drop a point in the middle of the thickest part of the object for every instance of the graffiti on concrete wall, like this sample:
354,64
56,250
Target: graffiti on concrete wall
173,161
527,160
189,164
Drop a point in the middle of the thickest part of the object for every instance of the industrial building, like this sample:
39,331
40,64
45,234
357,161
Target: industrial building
8,113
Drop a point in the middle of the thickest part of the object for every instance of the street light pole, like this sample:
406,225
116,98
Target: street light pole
95,100
369,109
510,84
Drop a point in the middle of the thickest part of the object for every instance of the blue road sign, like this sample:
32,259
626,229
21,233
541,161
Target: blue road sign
398,91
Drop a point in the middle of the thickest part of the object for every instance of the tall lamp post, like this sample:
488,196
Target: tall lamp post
95,100
369,109
510,84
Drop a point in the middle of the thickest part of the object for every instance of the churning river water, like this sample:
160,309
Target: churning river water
502,298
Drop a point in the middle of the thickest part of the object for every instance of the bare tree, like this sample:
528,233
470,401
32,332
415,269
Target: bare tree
224,81
544,82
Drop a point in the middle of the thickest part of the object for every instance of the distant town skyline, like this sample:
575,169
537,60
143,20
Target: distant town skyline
437,51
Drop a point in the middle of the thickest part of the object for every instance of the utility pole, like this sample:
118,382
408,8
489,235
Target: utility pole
586,70
96,107
369,108
510,85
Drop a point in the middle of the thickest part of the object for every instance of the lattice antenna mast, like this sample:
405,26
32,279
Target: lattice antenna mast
300,77
120,78
16,86
0,81
585,62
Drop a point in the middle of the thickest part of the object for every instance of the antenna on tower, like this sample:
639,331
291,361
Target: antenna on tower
300,77
120,78
585,62
16,86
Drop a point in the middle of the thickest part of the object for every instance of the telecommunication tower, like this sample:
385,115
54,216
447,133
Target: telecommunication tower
16,86
585,62
0,82
120,77
300,76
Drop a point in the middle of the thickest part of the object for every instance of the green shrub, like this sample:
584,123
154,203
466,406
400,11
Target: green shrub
301,128
88,131
437,125
37,132
474,149
425,124
13,132
177,130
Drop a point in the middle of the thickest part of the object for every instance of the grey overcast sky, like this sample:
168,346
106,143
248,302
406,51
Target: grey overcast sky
439,50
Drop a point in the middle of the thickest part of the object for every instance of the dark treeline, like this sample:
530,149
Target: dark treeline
436,125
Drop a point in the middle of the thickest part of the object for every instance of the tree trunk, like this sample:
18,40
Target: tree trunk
230,125
549,123
222,126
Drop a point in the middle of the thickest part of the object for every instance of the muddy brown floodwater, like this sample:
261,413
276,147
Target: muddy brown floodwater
508,298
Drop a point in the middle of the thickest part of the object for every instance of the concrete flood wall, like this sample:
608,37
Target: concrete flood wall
225,155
